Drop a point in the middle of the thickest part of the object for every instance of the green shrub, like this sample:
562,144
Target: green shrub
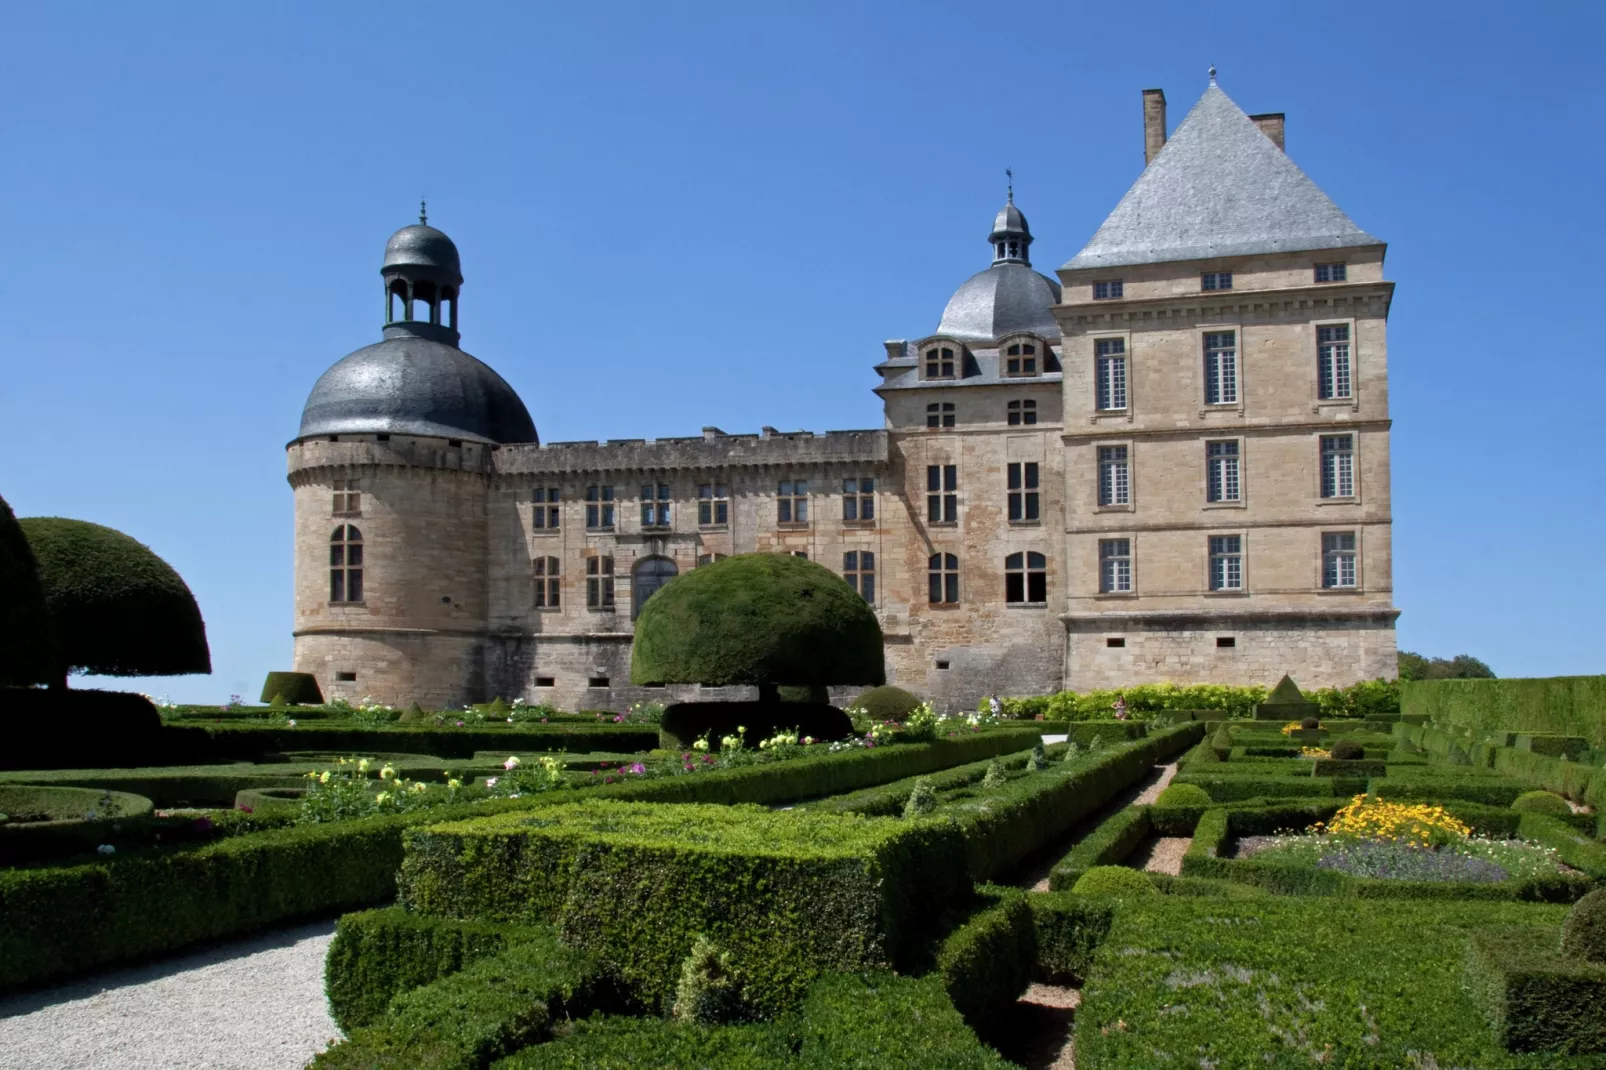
789,894
922,800
1115,881
987,962
1537,998
620,1043
757,619
1039,760
1542,802
27,652
116,609
292,689
1583,933
995,776
57,728
1107,845
875,1021
818,694
1069,930
709,992
887,703
1310,724
1183,795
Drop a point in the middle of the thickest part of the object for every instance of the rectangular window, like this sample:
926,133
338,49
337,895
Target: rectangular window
1338,559
940,414
858,499
1338,466
544,516
655,505
792,501
599,582
1023,493
708,559
1115,477
1216,280
348,497
1221,471
599,508
858,568
942,493
943,576
713,505
940,363
1331,272
1021,412
1333,374
1226,563
1115,566
1021,359
1110,374
1221,368
1108,290
546,583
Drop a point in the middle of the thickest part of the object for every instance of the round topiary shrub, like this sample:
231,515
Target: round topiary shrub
116,609
1583,932
1119,881
1541,802
1183,795
760,620
887,703
27,655
1347,750
1310,724
293,688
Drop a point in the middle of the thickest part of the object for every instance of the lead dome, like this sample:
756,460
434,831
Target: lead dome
1008,296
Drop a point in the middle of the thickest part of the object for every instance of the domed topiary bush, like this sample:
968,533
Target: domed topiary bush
1583,931
887,703
293,688
1118,881
1310,724
1183,795
115,607
27,655
1541,802
1347,750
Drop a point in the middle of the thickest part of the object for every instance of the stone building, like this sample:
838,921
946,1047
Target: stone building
1171,464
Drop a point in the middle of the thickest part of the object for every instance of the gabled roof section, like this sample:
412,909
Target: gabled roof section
1219,187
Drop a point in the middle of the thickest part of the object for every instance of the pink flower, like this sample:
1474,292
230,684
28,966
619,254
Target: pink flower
637,767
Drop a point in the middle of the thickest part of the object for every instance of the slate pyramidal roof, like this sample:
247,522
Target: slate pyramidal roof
1218,187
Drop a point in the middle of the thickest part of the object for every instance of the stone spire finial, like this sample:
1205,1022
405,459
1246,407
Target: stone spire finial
1212,74
423,211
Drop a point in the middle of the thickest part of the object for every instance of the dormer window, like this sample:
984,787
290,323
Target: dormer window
940,362
1020,358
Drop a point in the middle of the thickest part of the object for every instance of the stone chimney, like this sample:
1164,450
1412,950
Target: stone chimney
1153,124
1271,124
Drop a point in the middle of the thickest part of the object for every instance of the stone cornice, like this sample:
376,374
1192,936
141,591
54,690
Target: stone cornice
1297,303
1224,618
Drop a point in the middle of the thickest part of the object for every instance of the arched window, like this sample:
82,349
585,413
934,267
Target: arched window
546,583
1020,358
1022,412
651,574
940,362
943,572
345,564
1026,577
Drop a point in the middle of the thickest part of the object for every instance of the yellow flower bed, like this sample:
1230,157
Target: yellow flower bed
1290,728
1314,752
1373,819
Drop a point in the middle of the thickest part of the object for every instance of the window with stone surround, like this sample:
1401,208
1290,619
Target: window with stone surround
348,497
1020,358
1108,289
1021,412
1222,481
1332,272
713,505
939,362
1226,563
1115,566
546,583
1338,559
1215,280
709,559
1109,374
1335,380
1221,368
942,493
1338,466
943,576
599,581
1022,481
1026,578
858,499
1115,476
546,512
599,508
858,568
655,505
940,414
792,502
345,564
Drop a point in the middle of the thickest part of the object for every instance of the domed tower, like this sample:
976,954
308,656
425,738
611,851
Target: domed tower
1008,296
391,472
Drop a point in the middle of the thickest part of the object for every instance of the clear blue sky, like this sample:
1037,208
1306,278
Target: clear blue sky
674,215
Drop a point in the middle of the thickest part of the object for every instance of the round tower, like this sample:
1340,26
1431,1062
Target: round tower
391,472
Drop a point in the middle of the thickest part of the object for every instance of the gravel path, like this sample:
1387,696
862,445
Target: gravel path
1035,876
252,1005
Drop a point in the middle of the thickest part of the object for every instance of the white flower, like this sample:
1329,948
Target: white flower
490,782
106,849
292,723
512,763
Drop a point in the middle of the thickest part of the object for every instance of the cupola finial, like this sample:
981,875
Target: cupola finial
1212,74
1010,176
423,212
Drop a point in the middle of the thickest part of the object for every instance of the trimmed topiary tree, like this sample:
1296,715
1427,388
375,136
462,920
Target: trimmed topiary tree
1310,724
922,800
115,607
761,620
1117,881
1583,932
1183,795
292,688
27,654
1541,802
887,703
709,992
1348,750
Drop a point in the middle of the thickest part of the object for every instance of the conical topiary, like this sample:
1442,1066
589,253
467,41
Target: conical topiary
708,992
1038,760
1286,693
995,775
922,800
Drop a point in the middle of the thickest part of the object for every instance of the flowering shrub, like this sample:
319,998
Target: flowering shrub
545,774
1313,752
1366,818
645,713
1290,728
921,723
343,793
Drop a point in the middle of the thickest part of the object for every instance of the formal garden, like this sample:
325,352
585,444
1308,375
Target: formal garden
1377,876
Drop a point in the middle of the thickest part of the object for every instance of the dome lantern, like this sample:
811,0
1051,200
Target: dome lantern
423,275
1008,296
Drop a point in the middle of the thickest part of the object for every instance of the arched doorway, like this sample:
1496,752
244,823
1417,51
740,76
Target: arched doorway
651,573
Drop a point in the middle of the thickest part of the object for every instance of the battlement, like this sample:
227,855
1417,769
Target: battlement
712,450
